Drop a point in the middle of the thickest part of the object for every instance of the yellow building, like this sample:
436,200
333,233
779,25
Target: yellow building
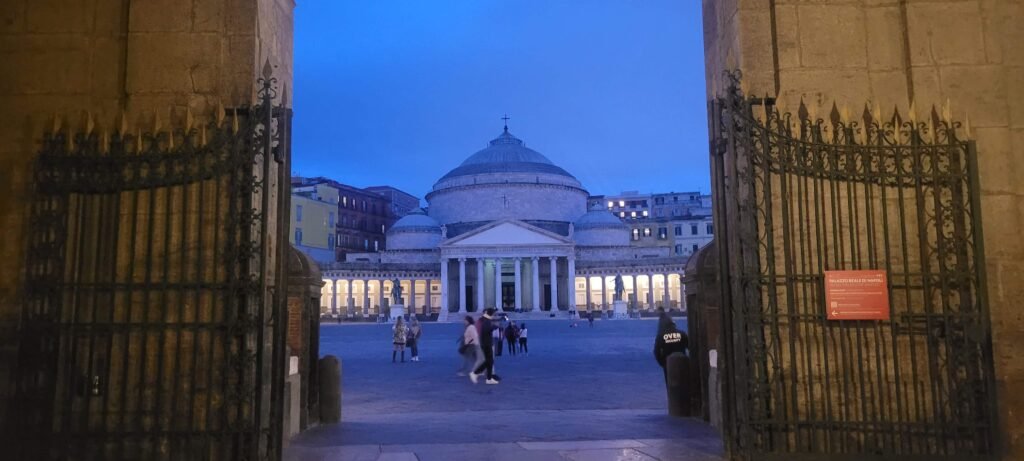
314,221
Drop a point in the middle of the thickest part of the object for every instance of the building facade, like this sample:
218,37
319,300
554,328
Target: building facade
508,229
679,221
401,202
314,222
363,216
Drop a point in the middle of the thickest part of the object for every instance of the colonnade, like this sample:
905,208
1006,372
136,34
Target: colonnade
599,290
372,293
490,271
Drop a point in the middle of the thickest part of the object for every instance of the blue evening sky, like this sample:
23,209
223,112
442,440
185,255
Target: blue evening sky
400,92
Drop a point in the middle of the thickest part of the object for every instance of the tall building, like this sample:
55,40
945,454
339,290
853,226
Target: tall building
401,202
362,216
314,221
679,221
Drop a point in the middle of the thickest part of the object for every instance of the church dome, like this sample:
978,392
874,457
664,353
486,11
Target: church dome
507,180
599,227
415,231
506,154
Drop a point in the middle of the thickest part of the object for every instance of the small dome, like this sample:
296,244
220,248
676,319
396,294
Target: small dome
506,154
599,217
416,221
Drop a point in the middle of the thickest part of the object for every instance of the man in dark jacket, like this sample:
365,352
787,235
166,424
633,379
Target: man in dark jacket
487,344
668,340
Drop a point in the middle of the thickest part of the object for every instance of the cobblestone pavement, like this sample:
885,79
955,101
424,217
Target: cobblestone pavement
581,394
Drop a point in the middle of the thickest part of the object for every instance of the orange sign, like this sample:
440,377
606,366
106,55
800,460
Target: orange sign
856,295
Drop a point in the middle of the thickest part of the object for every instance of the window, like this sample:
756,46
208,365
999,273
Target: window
382,228
298,213
622,203
693,229
611,204
636,234
694,247
366,244
298,236
679,230
679,249
645,213
632,214
330,218
622,214
659,201
662,233
647,232
330,242
376,245
710,229
344,201
675,199
364,205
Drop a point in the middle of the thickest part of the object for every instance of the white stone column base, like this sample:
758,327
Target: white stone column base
619,310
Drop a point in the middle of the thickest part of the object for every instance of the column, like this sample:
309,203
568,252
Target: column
650,291
536,283
604,294
519,296
366,296
479,284
682,294
412,296
554,283
588,293
444,288
334,296
428,309
462,285
571,294
626,294
497,284
667,299
350,302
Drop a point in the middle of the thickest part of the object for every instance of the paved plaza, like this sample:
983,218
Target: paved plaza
582,394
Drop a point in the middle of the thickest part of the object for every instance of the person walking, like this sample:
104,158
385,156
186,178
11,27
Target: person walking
522,340
413,339
487,344
472,356
511,336
668,340
400,333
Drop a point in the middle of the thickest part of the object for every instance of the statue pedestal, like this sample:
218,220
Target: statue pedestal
619,310
397,310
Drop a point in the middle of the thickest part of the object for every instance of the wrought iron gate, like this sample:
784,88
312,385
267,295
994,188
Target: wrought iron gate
152,326
798,195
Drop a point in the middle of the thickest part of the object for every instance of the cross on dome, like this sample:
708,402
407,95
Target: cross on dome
506,118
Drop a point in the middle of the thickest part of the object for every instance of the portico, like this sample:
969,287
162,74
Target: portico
502,254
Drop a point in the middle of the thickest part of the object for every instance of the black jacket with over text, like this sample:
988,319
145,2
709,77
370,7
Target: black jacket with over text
668,340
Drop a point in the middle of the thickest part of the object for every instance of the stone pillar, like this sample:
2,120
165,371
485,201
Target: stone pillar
604,294
444,287
479,284
536,283
350,302
571,283
626,296
588,292
682,294
667,298
554,283
462,285
366,296
334,296
518,290
427,309
650,291
411,305
497,284
380,293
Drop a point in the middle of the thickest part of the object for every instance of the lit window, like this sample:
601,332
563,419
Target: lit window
622,214
382,228
611,204
632,214
636,234
647,232
645,213
344,201
662,233
298,213
622,203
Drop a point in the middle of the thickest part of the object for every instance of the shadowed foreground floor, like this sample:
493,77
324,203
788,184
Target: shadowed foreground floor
582,394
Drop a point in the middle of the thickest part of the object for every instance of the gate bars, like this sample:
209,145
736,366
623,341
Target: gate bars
796,196
153,322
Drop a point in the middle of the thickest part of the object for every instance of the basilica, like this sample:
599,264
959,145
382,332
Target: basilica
507,228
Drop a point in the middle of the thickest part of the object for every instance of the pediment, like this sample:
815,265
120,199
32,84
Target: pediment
507,233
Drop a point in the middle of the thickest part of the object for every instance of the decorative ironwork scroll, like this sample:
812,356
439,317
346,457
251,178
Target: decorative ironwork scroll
152,325
799,194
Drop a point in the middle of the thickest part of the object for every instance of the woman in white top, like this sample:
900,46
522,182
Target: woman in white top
472,355
522,340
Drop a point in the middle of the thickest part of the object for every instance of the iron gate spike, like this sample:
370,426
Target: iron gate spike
912,114
56,123
89,124
947,112
219,115
234,120
124,124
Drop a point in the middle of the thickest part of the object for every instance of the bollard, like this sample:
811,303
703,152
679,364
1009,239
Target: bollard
677,367
330,389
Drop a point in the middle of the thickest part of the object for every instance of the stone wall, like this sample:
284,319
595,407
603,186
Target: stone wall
888,53
109,57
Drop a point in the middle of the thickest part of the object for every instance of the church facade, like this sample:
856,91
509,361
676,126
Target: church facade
508,229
